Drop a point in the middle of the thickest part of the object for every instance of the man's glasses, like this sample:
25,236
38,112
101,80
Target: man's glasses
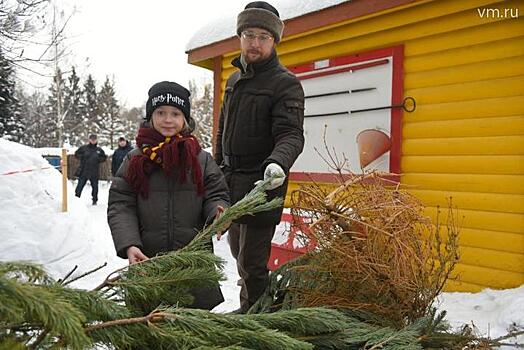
250,36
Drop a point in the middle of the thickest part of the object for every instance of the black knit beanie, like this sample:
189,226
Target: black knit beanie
167,93
260,14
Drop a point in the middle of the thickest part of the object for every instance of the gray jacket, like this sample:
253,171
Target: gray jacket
169,218
172,214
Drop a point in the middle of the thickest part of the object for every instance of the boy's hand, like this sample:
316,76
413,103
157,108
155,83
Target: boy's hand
220,210
135,255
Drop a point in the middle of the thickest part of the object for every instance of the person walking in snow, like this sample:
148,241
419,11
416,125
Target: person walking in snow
260,134
90,156
167,188
118,155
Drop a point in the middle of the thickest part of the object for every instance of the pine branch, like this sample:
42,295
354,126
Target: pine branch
254,202
39,304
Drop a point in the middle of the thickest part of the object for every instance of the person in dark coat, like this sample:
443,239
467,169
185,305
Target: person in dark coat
167,188
260,134
90,157
118,155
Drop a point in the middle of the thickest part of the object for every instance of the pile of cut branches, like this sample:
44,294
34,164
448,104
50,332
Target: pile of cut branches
376,251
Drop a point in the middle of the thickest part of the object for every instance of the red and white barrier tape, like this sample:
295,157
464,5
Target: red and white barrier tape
30,170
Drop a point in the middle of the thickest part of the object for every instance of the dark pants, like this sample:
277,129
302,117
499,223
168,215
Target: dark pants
94,186
251,246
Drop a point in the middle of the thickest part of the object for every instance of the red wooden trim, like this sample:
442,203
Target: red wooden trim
331,15
345,69
217,96
396,113
344,60
299,224
333,178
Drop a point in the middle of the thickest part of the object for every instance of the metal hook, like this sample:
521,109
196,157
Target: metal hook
404,105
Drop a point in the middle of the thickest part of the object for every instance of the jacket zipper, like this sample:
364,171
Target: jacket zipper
170,234
236,100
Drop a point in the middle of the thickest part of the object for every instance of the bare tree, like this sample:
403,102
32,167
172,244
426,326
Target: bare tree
19,21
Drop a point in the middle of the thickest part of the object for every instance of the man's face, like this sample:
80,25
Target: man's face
122,143
92,141
256,44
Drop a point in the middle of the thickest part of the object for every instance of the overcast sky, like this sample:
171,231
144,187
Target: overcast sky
139,42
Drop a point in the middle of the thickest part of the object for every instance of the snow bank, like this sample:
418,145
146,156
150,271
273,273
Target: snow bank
32,226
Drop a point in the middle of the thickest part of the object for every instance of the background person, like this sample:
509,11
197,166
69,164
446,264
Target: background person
118,155
90,156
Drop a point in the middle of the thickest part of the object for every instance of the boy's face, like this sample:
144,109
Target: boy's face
168,120
256,44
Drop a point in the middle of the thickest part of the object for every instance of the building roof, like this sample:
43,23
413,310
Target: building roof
308,16
225,28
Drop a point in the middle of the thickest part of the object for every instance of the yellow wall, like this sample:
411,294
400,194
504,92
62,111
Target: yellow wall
466,138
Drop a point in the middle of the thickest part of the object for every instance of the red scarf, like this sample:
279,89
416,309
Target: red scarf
180,151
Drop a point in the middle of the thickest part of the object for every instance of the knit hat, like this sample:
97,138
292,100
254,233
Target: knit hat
167,93
260,14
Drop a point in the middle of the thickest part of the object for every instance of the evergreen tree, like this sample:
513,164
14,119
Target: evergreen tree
73,102
11,126
35,118
109,119
90,107
202,113
132,119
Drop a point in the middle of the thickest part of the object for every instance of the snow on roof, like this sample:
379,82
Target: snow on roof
225,27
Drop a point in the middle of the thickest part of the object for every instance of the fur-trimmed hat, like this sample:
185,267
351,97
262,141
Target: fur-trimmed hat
260,14
167,93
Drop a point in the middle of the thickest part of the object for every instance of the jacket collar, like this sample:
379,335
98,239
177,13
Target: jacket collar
255,68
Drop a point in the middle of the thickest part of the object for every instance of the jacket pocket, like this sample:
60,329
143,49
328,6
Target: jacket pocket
295,108
257,104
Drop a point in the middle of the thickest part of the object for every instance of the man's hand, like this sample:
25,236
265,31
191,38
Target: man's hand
274,170
135,255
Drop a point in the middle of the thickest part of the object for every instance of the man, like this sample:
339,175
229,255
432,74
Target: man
90,157
118,155
260,134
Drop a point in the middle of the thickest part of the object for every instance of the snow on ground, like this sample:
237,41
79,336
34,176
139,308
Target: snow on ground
493,312
33,228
